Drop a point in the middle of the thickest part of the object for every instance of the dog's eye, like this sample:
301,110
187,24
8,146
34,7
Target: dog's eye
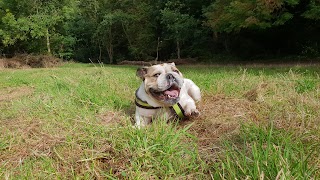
156,75
176,71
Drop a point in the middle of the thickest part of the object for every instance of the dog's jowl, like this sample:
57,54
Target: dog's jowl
164,93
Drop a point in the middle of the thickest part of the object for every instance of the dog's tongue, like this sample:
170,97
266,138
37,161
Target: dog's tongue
172,93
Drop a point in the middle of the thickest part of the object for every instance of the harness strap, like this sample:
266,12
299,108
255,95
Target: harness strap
176,107
144,104
178,110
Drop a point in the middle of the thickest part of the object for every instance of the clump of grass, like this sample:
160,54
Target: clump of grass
305,85
268,153
160,151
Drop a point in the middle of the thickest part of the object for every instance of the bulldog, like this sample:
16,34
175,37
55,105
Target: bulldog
165,94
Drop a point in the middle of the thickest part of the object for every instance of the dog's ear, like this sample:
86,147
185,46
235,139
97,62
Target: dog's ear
141,72
173,64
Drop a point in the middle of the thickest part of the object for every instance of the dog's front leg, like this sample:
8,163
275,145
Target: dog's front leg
141,121
193,90
189,107
191,94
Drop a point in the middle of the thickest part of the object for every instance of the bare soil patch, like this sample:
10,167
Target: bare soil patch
23,61
221,116
111,117
30,141
13,93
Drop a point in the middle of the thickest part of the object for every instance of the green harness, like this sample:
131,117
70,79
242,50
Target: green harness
176,107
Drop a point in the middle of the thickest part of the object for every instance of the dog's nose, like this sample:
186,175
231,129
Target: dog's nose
170,77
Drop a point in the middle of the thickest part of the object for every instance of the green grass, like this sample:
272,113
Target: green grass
268,153
75,123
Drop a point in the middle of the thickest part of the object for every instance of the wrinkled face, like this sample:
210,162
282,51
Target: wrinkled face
162,82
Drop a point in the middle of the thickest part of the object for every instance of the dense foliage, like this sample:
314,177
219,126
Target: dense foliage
111,30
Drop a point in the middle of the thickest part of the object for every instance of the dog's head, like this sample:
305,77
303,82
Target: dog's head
162,82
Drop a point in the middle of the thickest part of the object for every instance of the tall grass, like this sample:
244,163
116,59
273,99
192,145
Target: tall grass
267,153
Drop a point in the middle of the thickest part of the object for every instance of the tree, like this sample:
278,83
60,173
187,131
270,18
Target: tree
112,30
313,11
180,26
34,21
42,26
13,29
126,25
139,27
106,33
232,15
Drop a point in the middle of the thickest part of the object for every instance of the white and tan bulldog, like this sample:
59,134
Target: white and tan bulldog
164,94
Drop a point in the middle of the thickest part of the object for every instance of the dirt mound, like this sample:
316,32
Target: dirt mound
2,64
30,61
138,63
184,61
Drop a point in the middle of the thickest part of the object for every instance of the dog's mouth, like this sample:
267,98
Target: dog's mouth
171,95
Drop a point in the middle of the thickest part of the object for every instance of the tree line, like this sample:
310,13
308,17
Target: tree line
110,31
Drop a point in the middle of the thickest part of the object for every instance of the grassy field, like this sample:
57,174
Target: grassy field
75,122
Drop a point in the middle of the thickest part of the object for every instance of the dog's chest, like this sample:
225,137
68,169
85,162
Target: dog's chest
164,112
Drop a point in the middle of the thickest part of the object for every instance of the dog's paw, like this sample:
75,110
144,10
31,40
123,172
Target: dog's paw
192,114
136,126
195,114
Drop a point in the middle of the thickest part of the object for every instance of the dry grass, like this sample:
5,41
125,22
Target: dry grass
30,141
9,94
221,116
